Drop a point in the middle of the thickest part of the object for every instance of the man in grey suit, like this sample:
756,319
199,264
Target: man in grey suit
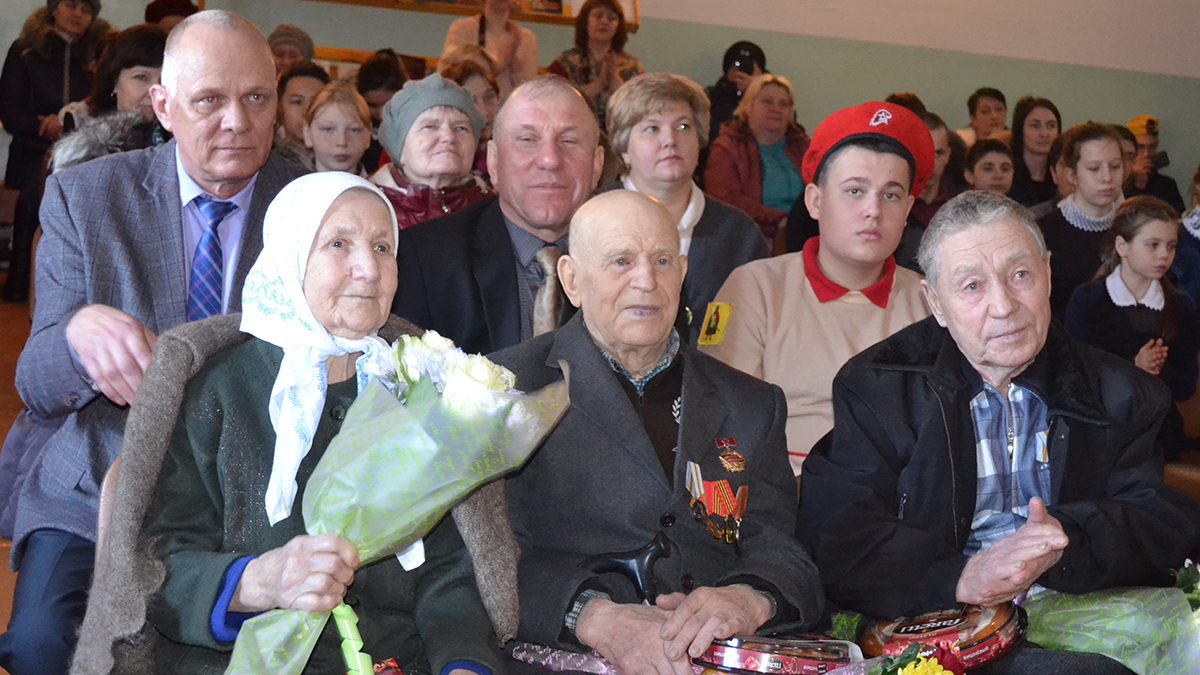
660,442
134,244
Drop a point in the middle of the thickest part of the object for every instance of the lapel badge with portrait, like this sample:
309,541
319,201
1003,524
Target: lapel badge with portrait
716,318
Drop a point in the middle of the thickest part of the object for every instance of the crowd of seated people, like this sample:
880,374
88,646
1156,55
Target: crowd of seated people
936,399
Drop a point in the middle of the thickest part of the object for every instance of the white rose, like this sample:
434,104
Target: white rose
437,342
474,380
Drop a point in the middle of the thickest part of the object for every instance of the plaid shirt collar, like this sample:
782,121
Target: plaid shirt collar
639,383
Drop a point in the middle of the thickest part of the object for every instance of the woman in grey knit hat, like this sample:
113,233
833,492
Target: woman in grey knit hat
291,46
430,129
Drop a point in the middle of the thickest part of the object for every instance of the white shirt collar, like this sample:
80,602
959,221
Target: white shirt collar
687,224
1121,297
189,190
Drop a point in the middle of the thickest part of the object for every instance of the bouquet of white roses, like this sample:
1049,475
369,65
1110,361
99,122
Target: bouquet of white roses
410,448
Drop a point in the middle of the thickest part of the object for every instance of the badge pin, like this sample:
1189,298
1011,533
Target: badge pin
716,318
733,461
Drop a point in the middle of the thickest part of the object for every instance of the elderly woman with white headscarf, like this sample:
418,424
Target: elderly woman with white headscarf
254,423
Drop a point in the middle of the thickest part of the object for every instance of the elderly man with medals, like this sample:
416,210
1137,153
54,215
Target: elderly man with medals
666,456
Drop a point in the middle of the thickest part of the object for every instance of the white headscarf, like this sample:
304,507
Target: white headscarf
274,309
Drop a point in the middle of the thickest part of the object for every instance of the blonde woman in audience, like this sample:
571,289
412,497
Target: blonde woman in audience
430,130
338,129
513,47
1076,230
598,63
658,123
755,162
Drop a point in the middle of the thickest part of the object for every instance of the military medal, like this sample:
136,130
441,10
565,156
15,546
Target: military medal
716,498
733,461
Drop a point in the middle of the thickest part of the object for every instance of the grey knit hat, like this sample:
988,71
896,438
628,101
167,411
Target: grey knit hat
287,34
416,97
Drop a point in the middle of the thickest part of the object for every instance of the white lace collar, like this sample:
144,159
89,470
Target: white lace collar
1191,222
1081,220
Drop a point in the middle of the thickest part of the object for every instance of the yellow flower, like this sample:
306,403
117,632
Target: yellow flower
923,666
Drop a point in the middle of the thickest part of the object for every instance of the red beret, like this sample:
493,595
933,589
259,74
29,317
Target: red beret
873,118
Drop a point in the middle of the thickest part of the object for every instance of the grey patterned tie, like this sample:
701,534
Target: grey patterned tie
547,304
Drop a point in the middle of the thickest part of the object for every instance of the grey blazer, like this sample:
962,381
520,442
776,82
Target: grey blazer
596,486
111,235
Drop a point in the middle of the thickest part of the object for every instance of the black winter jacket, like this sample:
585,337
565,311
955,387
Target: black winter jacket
887,498
31,85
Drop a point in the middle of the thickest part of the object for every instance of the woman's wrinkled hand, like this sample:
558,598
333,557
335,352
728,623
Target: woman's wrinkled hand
309,573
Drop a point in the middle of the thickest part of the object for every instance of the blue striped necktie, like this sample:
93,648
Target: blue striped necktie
205,291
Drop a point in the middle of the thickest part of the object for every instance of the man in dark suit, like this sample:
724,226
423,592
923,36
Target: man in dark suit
474,276
659,441
134,244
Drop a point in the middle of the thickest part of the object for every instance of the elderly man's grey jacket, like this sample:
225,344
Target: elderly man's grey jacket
888,497
112,235
597,486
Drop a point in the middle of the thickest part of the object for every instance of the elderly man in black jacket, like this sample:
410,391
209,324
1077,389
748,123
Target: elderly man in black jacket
661,443
981,455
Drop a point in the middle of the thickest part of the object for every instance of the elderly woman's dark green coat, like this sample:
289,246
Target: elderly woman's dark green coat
117,637
209,512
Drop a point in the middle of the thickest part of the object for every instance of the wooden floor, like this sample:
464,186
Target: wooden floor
14,329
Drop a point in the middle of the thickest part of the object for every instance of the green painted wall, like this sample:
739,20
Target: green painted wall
828,73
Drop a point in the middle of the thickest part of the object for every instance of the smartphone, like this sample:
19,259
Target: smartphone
1160,160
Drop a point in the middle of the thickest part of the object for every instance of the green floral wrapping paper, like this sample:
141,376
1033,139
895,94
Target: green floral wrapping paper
1151,631
393,472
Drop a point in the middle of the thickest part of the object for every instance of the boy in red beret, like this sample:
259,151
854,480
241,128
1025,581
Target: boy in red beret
794,320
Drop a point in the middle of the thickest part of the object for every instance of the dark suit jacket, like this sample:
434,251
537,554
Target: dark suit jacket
458,276
723,240
112,235
596,486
